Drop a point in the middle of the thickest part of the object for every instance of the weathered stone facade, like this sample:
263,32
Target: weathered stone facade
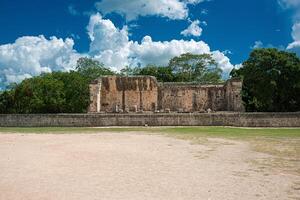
144,93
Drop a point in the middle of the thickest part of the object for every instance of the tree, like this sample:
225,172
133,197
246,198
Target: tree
130,71
42,94
92,69
195,68
6,102
163,74
270,81
56,92
76,90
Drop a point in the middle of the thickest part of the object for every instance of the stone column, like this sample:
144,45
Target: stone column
99,97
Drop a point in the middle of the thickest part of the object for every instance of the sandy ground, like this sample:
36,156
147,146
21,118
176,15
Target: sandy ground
135,166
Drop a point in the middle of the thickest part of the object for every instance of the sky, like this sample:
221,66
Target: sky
50,35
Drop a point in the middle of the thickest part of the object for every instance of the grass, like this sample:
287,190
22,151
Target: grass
231,132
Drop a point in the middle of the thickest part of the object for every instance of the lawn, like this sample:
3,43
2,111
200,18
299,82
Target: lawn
231,132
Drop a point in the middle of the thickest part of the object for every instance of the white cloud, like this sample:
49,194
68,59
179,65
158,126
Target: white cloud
293,5
289,3
224,62
257,44
29,56
111,46
150,52
296,31
193,30
295,45
132,9
108,44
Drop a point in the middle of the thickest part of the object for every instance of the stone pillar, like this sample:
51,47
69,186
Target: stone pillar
99,97
233,95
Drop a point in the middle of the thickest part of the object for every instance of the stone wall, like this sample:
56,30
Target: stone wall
233,96
123,93
144,93
191,98
177,119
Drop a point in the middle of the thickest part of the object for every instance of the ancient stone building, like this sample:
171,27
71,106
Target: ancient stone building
144,93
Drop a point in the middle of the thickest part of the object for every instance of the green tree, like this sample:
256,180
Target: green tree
130,71
92,69
163,74
200,68
41,94
7,102
76,90
270,81
57,92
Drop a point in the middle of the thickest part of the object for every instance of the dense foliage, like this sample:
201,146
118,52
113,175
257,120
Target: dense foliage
271,81
184,68
92,69
56,92
195,68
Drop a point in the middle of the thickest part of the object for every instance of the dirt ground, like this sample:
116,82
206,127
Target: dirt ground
136,166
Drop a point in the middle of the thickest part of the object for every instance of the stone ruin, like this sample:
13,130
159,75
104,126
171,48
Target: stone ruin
116,94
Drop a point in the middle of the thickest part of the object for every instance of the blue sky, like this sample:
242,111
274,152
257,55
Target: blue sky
113,32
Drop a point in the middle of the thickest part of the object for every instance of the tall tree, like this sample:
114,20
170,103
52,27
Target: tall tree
200,68
163,74
92,69
41,94
270,81
7,102
56,92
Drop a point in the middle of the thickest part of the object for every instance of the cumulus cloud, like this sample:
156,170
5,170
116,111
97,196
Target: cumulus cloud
159,53
193,30
294,6
295,45
289,3
111,46
257,44
132,9
30,56
108,44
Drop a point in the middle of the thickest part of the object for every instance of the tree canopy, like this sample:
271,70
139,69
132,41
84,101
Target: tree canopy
184,68
200,68
57,92
271,81
92,69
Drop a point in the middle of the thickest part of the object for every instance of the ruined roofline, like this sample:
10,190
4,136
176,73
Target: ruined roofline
184,84
178,84
130,76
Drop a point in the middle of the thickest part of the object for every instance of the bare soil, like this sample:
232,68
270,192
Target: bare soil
136,166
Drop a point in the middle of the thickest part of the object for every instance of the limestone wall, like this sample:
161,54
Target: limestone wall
144,93
174,119
126,93
191,98
233,96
